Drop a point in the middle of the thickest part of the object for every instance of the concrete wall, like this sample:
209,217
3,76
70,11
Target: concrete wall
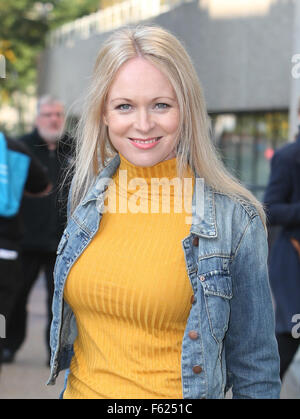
244,63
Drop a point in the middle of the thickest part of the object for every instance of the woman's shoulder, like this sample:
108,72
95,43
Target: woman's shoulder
235,215
236,203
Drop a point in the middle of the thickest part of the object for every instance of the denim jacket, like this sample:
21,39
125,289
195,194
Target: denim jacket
232,313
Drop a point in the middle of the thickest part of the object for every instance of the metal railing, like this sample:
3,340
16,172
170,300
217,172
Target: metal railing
127,12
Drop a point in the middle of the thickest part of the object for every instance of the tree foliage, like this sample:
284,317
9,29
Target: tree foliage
23,28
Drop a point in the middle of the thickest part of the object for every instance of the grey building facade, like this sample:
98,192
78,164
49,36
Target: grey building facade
246,56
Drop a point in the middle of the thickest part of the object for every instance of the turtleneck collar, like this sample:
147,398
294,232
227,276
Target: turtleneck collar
164,169
145,182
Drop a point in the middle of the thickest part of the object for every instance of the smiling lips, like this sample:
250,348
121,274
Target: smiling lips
145,143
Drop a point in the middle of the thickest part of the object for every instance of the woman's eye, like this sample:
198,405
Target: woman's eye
162,105
124,107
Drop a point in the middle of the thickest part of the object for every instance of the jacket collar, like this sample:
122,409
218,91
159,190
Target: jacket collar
203,210
64,144
203,202
102,181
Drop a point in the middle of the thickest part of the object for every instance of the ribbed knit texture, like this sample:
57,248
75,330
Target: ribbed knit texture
131,294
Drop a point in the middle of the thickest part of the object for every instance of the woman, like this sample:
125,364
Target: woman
158,300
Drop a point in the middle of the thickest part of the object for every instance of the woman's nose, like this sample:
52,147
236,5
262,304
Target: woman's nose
144,121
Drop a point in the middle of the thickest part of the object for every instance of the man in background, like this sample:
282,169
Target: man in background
44,218
282,199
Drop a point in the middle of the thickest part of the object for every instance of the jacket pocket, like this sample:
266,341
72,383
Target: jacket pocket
217,289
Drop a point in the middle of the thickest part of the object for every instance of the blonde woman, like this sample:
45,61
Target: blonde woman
161,286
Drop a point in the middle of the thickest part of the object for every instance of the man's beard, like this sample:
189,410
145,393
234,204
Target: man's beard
50,136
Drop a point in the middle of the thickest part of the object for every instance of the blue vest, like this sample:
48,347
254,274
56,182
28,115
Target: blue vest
13,174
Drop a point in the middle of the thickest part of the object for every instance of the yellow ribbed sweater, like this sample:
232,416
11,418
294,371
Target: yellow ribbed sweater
130,291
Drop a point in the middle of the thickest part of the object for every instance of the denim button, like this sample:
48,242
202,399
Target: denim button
196,241
193,334
202,278
197,369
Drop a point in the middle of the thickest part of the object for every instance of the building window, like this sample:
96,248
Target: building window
247,142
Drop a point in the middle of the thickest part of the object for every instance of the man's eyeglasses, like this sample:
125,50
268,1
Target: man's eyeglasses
49,114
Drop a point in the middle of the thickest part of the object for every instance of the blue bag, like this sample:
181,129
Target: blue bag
13,174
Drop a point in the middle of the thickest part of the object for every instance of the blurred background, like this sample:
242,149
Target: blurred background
246,52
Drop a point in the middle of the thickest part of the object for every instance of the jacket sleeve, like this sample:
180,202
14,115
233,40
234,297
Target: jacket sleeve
250,345
37,178
280,210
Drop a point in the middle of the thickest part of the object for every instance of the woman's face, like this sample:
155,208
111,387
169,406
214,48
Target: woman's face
142,114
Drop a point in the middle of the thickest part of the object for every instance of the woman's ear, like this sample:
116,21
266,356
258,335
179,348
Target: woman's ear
104,118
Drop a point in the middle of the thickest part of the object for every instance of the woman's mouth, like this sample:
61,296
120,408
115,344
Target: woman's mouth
145,143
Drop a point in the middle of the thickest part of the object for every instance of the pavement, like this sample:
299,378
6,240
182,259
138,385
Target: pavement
26,378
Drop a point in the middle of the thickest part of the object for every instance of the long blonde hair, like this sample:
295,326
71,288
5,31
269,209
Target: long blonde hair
195,147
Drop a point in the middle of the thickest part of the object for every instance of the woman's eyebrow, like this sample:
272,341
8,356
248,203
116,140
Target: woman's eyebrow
121,98
165,97
153,100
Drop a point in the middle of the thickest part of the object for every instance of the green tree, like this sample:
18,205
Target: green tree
23,28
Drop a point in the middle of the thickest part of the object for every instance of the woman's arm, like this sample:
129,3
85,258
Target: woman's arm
250,344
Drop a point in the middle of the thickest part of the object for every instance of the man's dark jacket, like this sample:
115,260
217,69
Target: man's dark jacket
282,199
45,218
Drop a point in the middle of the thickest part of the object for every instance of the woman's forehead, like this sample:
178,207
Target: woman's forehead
139,77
